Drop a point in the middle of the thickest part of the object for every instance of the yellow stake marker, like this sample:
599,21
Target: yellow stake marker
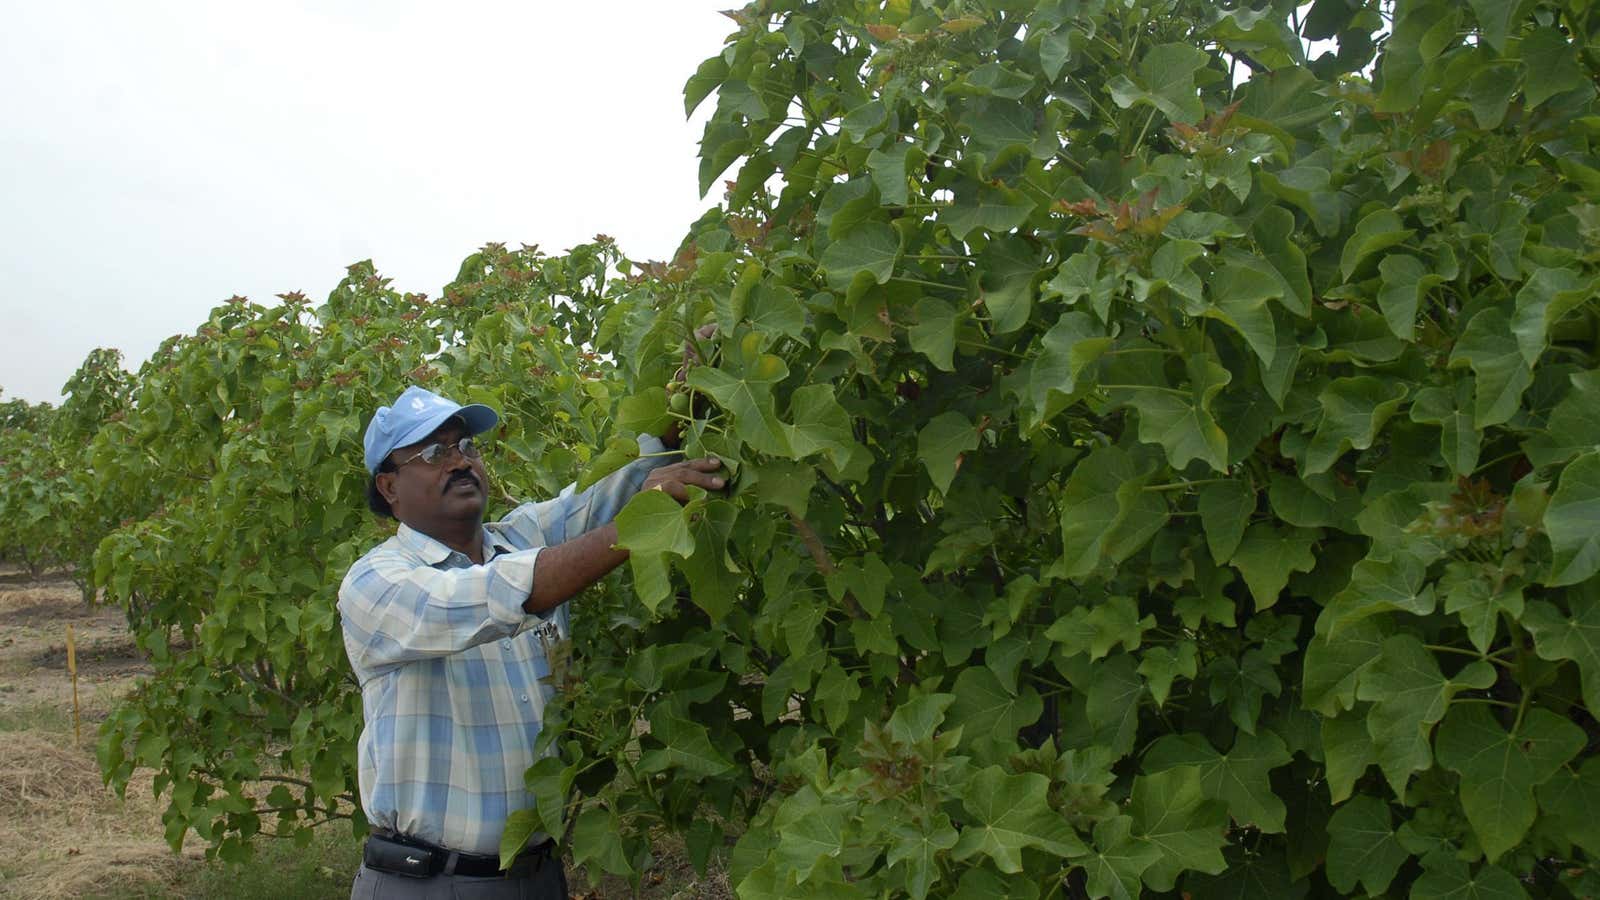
72,669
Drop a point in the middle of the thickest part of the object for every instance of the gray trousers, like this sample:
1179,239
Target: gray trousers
535,878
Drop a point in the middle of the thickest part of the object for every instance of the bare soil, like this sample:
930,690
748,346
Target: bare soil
63,833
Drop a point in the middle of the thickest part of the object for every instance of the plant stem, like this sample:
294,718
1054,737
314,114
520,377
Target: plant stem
1179,485
1144,387
948,287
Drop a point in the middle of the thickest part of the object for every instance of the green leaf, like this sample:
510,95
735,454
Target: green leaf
1007,270
835,691
1076,278
1469,591
748,396
846,205
1489,94
1405,282
941,444
1421,32
1490,348
1353,412
1573,522
654,523
644,412
1115,690
1570,798
915,720
1171,813
1166,76
594,838
1273,230
1225,510
1348,751
998,80
1574,636
720,144
1500,770
774,309
1070,347
1000,128
1394,582
1362,847
1378,230
687,747
1180,420
1447,878
934,335
864,119
996,210
1009,813
889,167
1546,297
821,426
619,451
1114,865
1333,667
706,79
1267,555
1574,424
1098,507
1241,684
870,249
1459,440
1160,666
1096,630
648,669
986,709
1239,292
1494,21
1409,695
918,848
811,831
1238,778
1551,63
519,828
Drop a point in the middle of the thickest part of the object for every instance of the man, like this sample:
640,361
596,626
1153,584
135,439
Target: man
446,625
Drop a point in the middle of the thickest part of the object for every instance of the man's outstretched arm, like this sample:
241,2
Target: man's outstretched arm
567,568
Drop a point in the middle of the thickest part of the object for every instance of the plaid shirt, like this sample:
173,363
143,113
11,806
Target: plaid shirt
450,665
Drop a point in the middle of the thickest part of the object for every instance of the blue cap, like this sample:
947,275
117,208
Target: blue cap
414,416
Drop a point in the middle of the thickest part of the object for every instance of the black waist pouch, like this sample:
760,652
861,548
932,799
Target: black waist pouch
386,855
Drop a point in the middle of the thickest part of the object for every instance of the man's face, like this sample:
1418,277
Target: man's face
433,498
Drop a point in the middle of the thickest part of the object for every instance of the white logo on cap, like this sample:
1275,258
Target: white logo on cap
417,404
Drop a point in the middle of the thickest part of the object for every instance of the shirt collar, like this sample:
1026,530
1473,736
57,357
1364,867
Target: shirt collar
433,551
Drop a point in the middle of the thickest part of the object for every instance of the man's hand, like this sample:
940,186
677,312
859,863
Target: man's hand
674,479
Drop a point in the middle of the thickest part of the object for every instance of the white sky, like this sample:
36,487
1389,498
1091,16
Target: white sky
156,158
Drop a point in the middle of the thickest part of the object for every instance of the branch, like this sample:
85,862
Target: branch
819,555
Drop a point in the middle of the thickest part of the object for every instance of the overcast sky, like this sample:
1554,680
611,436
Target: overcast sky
157,158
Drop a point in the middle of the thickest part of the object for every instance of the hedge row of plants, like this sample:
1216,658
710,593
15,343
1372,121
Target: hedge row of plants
1167,454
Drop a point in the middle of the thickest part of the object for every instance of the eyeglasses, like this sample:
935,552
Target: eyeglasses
434,454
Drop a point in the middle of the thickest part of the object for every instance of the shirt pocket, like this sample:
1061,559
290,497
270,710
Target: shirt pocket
482,690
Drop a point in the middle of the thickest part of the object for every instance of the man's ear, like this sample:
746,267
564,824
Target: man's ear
385,483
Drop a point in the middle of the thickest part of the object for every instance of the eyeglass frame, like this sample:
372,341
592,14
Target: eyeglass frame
465,446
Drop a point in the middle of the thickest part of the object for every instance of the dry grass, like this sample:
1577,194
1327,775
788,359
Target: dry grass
62,832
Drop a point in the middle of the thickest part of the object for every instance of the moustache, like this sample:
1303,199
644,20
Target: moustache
462,476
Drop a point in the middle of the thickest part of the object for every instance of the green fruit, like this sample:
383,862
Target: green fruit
678,403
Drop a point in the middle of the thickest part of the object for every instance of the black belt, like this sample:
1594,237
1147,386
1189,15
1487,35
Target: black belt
400,854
